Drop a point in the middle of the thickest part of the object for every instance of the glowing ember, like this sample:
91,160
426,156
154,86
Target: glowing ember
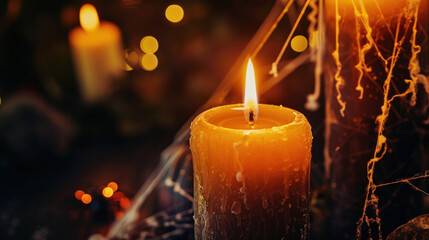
117,196
299,43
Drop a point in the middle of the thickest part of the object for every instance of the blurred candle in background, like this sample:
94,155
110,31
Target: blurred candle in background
251,172
98,55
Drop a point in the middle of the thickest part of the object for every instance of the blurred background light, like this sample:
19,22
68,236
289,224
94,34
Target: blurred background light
149,44
86,198
174,13
113,186
149,62
107,192
78,194
299,43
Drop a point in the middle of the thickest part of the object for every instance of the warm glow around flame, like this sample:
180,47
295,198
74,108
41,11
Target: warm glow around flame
88,17
250,96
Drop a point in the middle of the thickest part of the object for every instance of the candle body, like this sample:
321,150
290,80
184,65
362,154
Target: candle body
251,183
98,59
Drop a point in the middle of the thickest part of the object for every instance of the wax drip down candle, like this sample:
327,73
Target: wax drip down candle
252,172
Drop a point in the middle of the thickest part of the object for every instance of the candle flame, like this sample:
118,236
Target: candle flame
250,96
88,17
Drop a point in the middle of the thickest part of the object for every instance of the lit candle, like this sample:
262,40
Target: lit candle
252,172
97,54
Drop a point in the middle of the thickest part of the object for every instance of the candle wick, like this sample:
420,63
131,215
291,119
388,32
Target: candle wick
251,117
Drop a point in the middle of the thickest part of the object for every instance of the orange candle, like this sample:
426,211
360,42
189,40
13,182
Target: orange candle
97,54
251,171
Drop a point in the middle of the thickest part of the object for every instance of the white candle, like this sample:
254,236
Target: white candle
97,54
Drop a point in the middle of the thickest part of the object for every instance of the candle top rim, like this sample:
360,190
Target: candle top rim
285,118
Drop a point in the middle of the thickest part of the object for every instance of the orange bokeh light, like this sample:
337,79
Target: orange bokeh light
78,194
107,192
86,198
113,186
149,62
124,202
117,196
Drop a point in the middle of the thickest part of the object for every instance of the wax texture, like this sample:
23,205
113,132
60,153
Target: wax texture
251,184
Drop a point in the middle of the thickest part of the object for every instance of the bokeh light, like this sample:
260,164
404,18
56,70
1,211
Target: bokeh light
314,39
124,202
78,194
117,196
107,192
88,17
299,43
149,62
86,198
113,186
174,13
149,44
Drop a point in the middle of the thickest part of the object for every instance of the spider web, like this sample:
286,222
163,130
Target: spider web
372,88
375,70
